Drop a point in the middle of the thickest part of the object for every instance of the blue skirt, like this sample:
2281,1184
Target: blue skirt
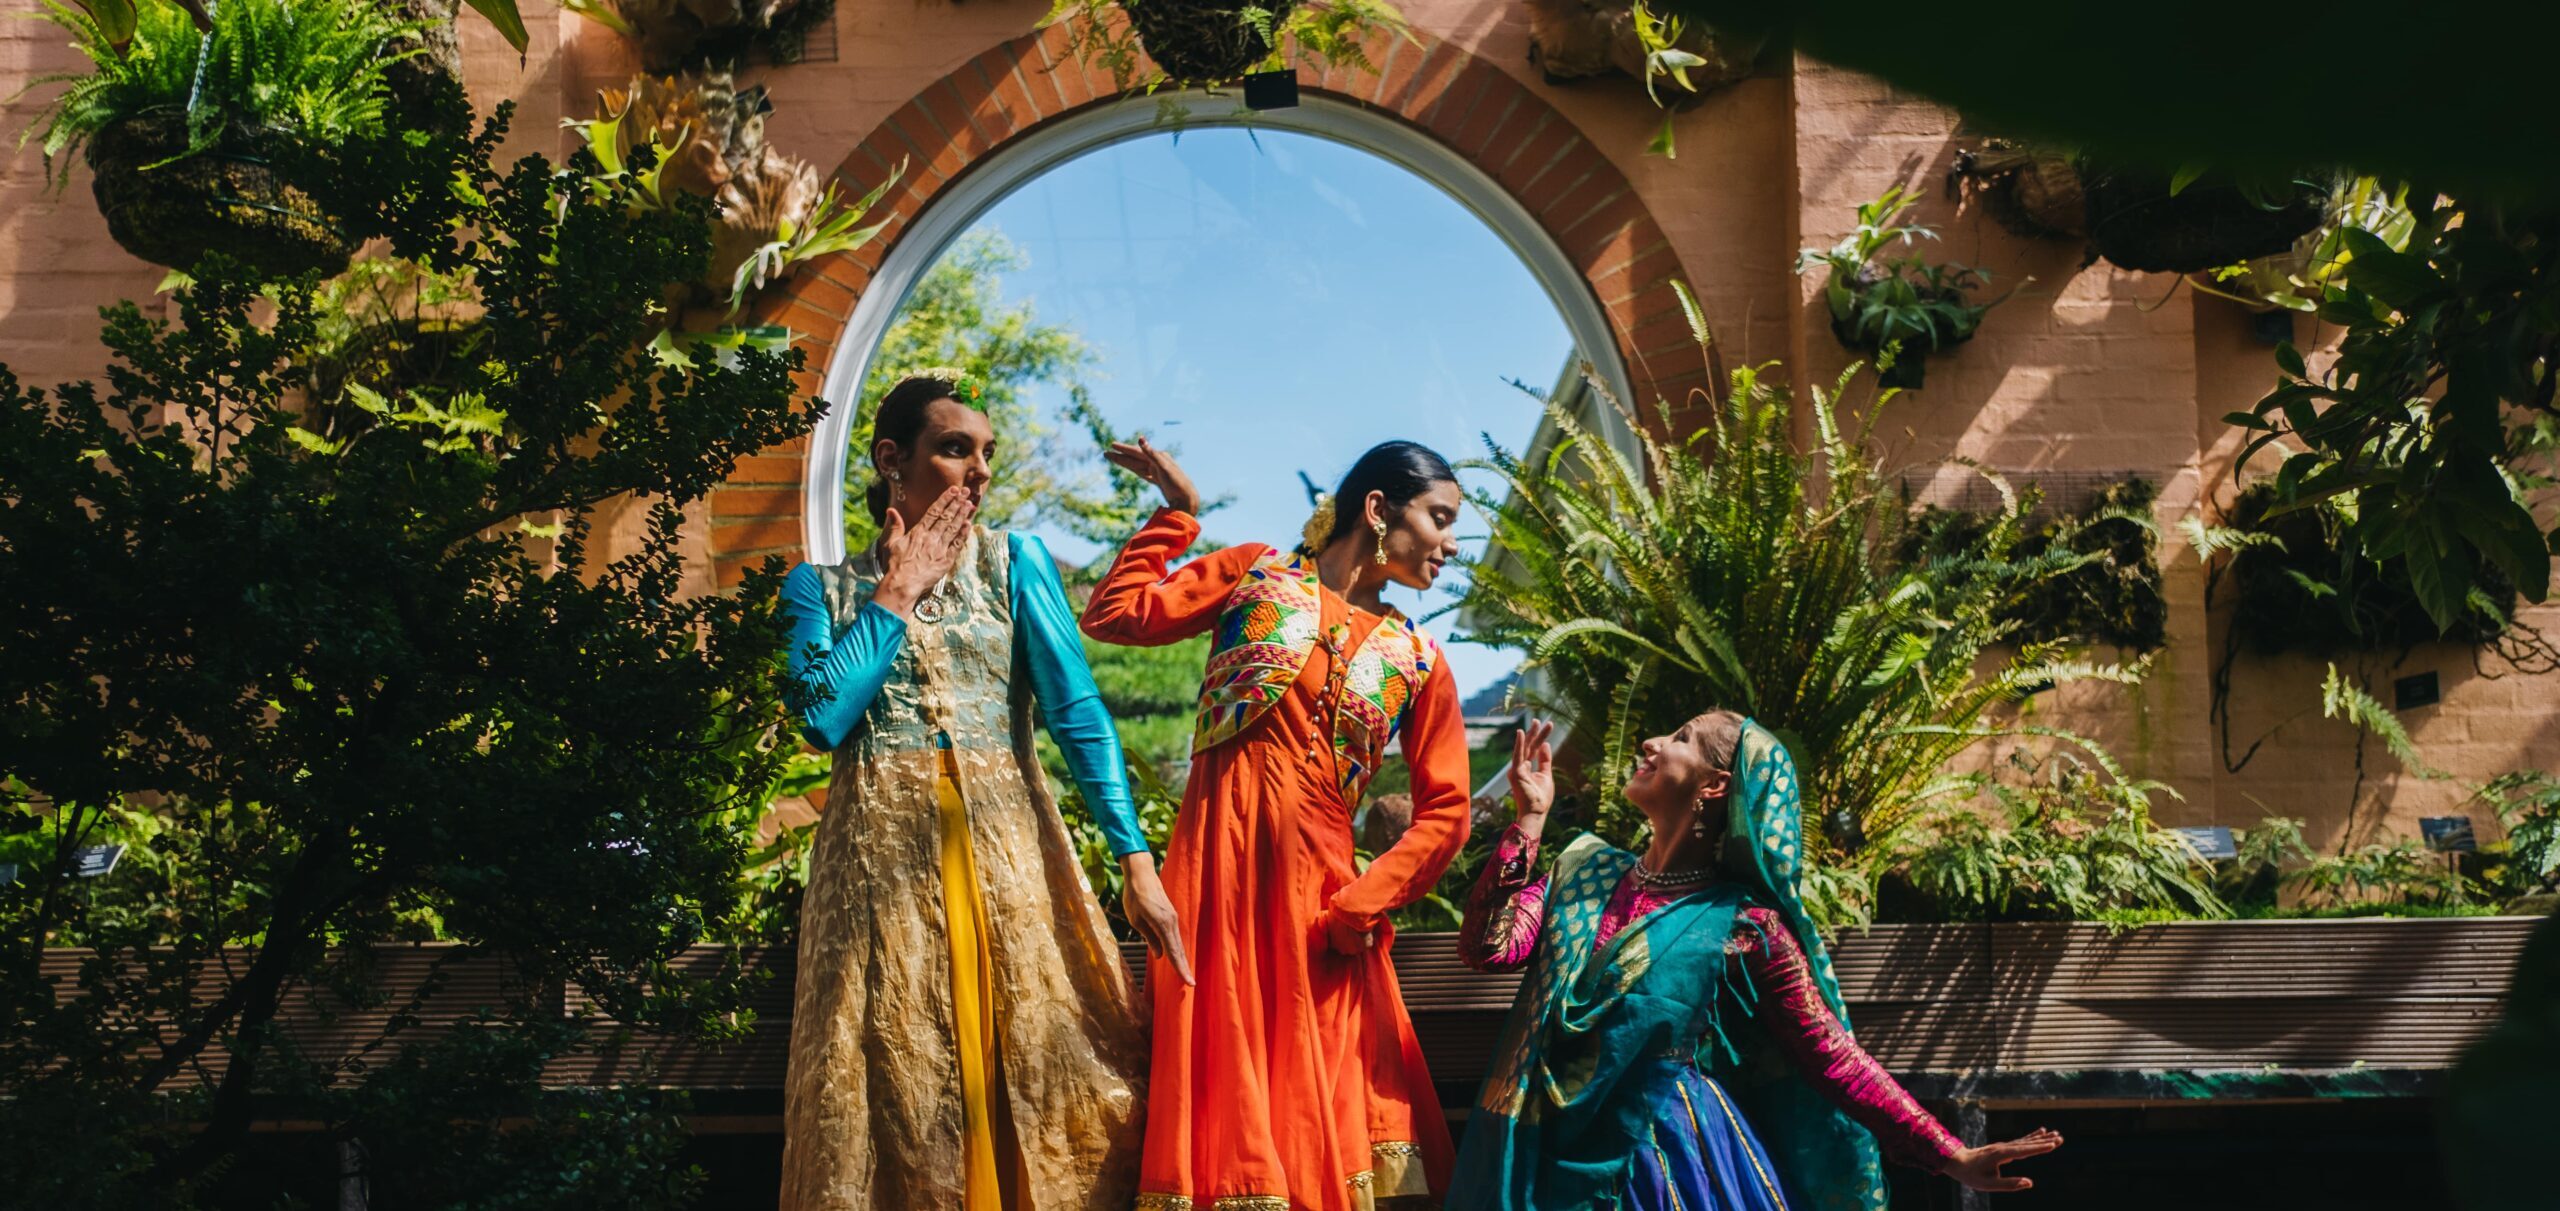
1703,1157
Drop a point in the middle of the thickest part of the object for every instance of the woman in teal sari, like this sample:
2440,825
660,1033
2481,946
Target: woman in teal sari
1679,1041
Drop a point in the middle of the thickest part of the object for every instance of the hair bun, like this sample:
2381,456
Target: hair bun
1319,528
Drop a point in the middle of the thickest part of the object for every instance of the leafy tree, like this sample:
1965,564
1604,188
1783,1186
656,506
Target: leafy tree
957,316
2438,415
335,656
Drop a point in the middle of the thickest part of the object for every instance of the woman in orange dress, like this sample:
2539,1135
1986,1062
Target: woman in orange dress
1286,1076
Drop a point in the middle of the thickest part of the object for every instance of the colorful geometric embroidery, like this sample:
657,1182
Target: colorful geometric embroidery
1265,637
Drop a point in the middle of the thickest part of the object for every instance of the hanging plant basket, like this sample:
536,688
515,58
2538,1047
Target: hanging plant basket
1202,41
2135,221
2036,194
1578,39
238,196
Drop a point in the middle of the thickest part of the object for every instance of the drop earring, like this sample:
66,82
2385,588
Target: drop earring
1381,528
1698,818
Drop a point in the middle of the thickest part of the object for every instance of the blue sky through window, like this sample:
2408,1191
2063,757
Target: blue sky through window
1275,302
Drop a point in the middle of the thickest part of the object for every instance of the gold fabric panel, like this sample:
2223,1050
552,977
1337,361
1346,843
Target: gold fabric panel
872,1113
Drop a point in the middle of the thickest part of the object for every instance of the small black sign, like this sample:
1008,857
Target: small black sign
2210,841
1272,89
2417,689
91,861
2449,834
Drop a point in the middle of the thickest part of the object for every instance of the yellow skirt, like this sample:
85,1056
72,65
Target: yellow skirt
987,1125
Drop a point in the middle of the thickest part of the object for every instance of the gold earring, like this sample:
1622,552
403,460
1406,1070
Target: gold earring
1698,818
1381,528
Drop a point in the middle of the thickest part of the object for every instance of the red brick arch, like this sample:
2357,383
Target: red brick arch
1578,196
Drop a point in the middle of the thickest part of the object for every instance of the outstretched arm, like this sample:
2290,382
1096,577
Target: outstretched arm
1794,1013
1801,1023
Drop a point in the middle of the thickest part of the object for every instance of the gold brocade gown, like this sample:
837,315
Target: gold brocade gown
881,1107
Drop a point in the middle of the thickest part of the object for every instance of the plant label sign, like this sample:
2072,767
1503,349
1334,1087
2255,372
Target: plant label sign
91,861
2449,834
2212,841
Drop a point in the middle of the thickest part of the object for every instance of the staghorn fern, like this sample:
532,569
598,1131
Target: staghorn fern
312,69
1765,580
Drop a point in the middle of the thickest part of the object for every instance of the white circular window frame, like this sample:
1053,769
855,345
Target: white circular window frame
1027,158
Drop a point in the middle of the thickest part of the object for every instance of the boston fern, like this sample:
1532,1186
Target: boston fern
1765,580
309,68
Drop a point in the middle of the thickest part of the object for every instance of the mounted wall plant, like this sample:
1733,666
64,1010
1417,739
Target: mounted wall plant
1901,309
1209,43
2110,594
225,139
1578,39
690,35
703,136
2186,222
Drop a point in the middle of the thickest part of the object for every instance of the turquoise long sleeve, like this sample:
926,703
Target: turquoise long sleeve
834,676
1045,628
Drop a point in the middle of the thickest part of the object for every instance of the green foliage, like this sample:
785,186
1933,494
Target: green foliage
1322,35
1153,693
309,68
2527,802
2249,879
2309,585
1900,308
347,668
1157,801
2396,872
1766,581
2065,842
2440,397
2296,280
2110,595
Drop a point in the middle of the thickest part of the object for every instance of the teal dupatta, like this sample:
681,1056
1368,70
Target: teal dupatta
1580,1072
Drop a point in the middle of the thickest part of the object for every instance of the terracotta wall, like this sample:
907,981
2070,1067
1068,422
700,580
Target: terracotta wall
2085,370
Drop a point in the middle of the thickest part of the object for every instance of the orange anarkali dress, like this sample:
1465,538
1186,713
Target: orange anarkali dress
1289,1077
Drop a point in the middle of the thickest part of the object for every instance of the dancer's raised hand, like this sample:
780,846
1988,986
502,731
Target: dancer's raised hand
1533,774
1143,460
1979,1168
919,556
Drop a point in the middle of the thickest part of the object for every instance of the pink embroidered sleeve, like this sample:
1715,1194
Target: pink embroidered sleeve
1505,908
1801,1023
